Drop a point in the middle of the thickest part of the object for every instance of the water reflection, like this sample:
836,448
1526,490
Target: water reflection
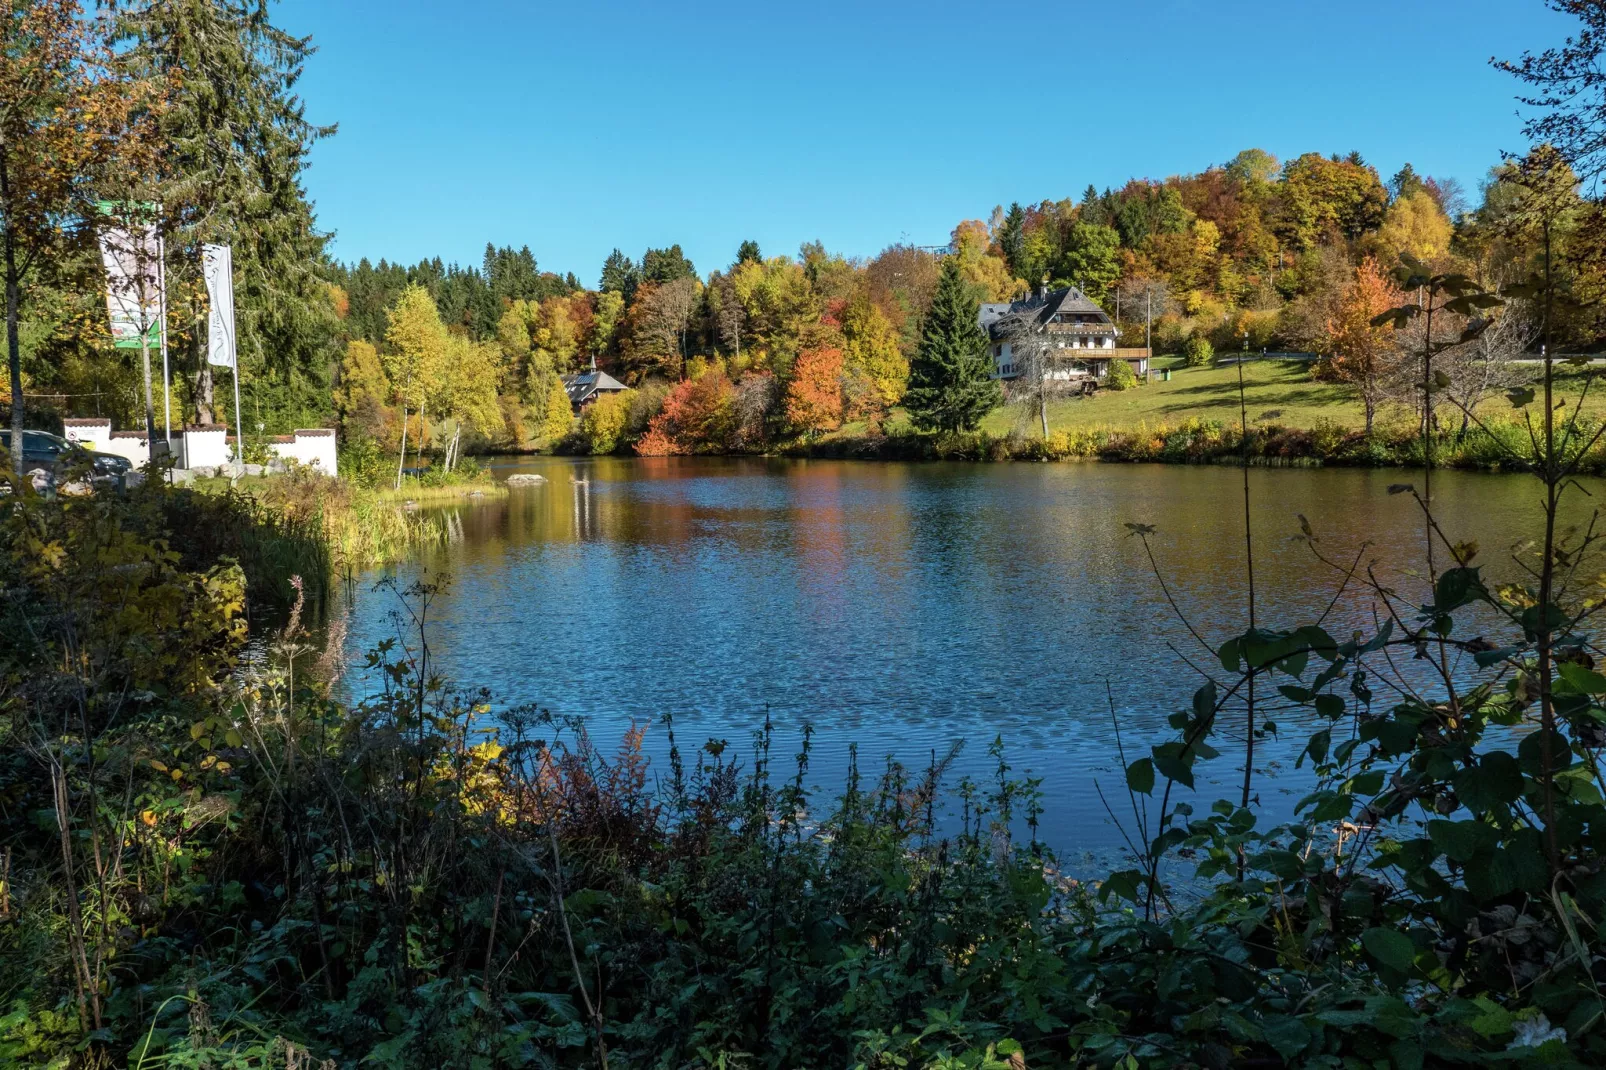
904,607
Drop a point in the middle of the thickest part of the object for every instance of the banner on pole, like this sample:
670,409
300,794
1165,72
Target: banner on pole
132,257
218,267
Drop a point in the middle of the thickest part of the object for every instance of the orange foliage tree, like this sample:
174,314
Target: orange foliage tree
1363,355
814,396
698,417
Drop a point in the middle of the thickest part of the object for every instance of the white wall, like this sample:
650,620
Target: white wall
314,447
204,447
93,434
130,444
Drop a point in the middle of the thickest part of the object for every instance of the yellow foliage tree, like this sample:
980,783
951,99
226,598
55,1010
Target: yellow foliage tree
466,392
875,368
364,389
558,417
414,357
605,321
603,422
1416,225
780,303
513,338
989,274
557,342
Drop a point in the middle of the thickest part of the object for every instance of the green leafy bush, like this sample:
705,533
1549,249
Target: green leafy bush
1197,352
1120,376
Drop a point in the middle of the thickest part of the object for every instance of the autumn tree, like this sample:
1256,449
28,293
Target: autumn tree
1363,355
417,345
1322,197
557,416
656,325
814,394
988,274
697,417
68,110
363,390
607,311
1414,224
465,392
901,281
950,380
779,303
726,312
876,372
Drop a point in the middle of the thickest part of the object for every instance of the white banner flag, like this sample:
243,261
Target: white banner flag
133,290
218,266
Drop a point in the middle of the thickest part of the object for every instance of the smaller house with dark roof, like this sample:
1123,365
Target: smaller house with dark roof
1073,321
590,385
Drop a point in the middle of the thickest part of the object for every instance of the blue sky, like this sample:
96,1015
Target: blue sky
577,127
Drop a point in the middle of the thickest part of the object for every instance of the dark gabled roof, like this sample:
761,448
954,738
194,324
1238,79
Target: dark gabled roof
1070,299
586,385
999,319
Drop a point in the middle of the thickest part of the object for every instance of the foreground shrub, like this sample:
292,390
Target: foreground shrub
1197,352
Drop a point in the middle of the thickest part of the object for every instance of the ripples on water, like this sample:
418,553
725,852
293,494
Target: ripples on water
903,608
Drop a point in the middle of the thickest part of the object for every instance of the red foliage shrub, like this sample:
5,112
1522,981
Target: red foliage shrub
697,417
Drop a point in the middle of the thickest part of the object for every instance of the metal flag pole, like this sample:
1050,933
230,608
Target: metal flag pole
239,416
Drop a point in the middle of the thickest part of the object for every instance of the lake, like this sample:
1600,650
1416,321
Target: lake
903,608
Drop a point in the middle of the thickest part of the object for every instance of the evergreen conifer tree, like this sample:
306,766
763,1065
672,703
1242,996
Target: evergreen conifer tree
1012,237
237,140
950,380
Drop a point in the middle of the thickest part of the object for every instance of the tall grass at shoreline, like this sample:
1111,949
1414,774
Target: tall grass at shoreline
314,526
1487,448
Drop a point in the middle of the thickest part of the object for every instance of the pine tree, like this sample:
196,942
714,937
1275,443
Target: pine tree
237,139
1012,237
950,380
619,276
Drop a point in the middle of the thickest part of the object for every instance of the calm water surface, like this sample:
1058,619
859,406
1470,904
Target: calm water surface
903,608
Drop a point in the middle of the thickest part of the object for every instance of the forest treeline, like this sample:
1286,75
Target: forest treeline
1253,251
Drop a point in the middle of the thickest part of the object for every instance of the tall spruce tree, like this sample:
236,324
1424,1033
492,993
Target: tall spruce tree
236,139
1012,237
950,380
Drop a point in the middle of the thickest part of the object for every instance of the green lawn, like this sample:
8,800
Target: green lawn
1274,391
1280,392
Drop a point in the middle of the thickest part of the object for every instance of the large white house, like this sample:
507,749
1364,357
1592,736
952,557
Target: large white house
1073,322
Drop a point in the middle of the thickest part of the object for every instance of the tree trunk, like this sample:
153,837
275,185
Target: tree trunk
145,369
401,462
13,299
205,414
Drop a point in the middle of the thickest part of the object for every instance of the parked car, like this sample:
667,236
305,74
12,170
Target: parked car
56,454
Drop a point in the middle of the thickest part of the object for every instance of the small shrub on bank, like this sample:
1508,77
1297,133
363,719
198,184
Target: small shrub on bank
602,423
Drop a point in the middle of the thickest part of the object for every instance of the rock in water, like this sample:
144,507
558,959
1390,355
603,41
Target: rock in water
524,479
